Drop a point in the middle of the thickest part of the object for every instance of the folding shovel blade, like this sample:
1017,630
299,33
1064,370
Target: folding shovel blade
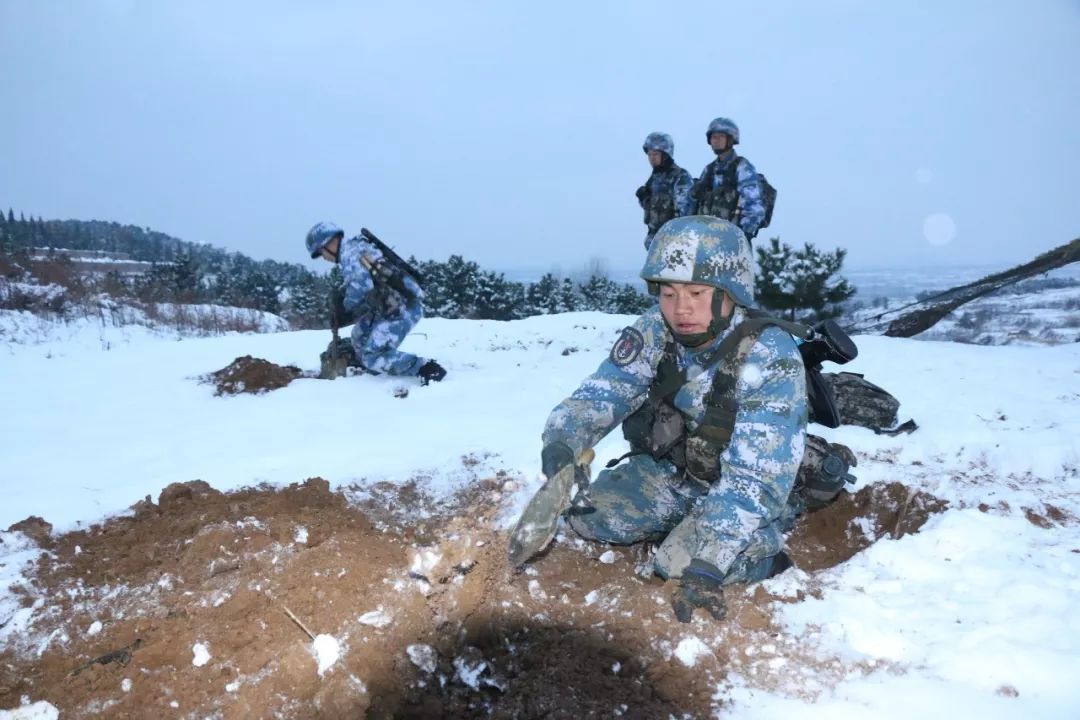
538,522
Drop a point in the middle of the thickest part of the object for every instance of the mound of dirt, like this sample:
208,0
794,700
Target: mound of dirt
833,534
185,604
252,375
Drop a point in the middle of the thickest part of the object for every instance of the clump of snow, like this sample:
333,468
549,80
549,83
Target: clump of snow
422,656
327,651
690,649
608,557
469,673
376,618
424,562
125,685
201,654
536,591
232,686
95,628
40,710
301,535
17,553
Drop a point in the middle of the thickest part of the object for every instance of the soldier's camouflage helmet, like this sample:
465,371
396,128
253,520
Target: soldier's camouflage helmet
659,141
701,249
724,125
320,235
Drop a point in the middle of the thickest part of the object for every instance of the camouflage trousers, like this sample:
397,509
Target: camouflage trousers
378,331
647,500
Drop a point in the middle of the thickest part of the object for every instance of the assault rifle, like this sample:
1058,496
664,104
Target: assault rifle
393,256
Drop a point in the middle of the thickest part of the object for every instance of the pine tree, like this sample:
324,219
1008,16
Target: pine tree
541,297
496,298
185,277
307,303
791,281
598,293
631,301
567,297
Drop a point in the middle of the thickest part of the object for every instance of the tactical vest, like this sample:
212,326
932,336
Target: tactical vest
658,428
721,201
660,204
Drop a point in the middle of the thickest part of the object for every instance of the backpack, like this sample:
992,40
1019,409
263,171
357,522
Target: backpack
768,192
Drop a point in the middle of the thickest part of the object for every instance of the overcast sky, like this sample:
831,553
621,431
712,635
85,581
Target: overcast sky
912,132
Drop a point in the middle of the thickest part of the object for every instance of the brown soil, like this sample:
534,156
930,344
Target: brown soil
572,636
252,375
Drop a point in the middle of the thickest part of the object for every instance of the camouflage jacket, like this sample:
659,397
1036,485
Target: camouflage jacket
742,204
368,287
668,196
758,468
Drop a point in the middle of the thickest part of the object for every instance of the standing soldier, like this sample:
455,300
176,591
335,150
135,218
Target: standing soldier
382,297
666,194
729,186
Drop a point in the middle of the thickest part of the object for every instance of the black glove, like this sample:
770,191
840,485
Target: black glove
554,458
642,192
699,588
430,371
697,191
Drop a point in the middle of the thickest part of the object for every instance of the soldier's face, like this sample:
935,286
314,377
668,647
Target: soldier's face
655,158
330,249
718,141
687,307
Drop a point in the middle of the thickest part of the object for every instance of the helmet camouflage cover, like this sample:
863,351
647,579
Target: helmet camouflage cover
319,235
705,250
724,125
659,141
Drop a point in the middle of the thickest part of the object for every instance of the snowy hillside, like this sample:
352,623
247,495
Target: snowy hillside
974,614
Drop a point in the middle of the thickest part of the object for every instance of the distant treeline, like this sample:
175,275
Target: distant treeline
188,272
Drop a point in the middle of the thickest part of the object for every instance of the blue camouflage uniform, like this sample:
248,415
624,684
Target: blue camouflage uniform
742,204
735,525
666,193
383,315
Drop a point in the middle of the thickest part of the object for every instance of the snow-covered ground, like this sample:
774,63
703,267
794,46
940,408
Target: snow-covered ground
974,615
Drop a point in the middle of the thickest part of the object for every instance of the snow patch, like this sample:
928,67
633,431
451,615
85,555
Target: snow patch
690,649
40,710
376,618
201,654
327,651
422,656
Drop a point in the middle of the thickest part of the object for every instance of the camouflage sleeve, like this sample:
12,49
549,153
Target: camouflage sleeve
617,388
751,204
358,282
412,286
684,203
758,469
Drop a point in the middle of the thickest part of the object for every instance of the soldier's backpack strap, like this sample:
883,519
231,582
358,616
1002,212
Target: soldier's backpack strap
713,435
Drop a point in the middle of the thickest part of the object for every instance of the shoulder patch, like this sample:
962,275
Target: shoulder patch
628,347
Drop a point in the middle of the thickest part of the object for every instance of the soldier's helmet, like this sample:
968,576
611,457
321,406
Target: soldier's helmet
701,249
724,125
659,141
321,234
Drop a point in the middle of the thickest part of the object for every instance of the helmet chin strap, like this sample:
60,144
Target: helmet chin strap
718,325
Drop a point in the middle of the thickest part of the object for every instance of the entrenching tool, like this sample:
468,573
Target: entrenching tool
538,522
334,364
